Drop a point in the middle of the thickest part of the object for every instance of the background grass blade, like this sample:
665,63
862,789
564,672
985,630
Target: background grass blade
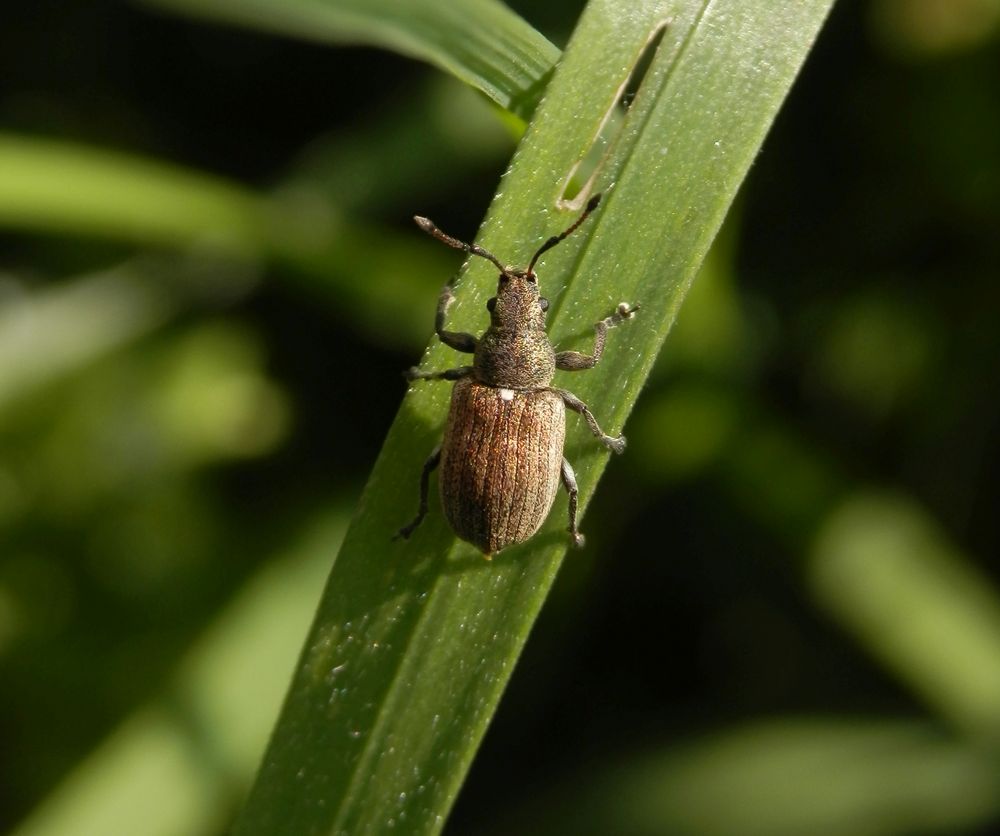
159,771
781,777
482,42
71,188
413,642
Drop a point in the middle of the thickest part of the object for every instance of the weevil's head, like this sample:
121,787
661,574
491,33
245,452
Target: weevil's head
518,304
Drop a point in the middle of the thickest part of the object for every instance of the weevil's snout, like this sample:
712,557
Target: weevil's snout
518,284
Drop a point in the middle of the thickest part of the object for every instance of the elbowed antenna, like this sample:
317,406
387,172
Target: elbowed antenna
555,239
428,226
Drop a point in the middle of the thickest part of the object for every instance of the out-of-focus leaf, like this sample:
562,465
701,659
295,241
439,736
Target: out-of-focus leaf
783,778
78,190
164,770
46,334
481,42
883,568
66,188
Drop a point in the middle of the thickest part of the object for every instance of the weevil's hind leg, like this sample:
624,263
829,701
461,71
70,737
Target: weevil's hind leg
425,476
413,373
615,445
454,339
569,482
574,361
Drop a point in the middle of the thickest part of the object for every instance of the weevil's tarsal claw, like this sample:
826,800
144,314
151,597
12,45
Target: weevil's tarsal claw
615,445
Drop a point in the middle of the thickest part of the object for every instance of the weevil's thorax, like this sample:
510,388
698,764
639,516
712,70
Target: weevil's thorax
515,352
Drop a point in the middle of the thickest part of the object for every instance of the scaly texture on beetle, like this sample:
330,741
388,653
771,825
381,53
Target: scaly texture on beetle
502,454
500,468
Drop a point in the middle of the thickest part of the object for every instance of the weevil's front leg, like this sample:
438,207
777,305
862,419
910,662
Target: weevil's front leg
413,373
425,476
569,482
615,445
574,361
455,339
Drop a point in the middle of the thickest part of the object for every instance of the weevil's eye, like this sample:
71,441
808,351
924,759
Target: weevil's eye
504,278
543,303
491,304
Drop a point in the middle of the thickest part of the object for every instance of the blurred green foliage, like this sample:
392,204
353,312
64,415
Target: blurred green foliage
786,619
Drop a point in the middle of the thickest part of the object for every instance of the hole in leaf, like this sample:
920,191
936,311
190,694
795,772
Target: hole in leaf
581,175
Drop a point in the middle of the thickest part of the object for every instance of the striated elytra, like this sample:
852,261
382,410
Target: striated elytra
501,457
501,462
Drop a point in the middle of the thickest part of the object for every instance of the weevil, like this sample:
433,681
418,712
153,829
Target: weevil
501,457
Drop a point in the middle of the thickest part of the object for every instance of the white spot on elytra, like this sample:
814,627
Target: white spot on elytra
506,394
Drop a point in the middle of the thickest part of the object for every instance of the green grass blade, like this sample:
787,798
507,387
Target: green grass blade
950,654
64,188
74,323
786,776
481,42
72,188
163,770
414,641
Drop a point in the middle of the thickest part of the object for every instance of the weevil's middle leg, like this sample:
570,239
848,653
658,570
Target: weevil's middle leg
569,482
425,477
615,445
575,361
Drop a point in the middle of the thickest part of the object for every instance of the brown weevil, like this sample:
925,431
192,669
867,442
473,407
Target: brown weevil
501,457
